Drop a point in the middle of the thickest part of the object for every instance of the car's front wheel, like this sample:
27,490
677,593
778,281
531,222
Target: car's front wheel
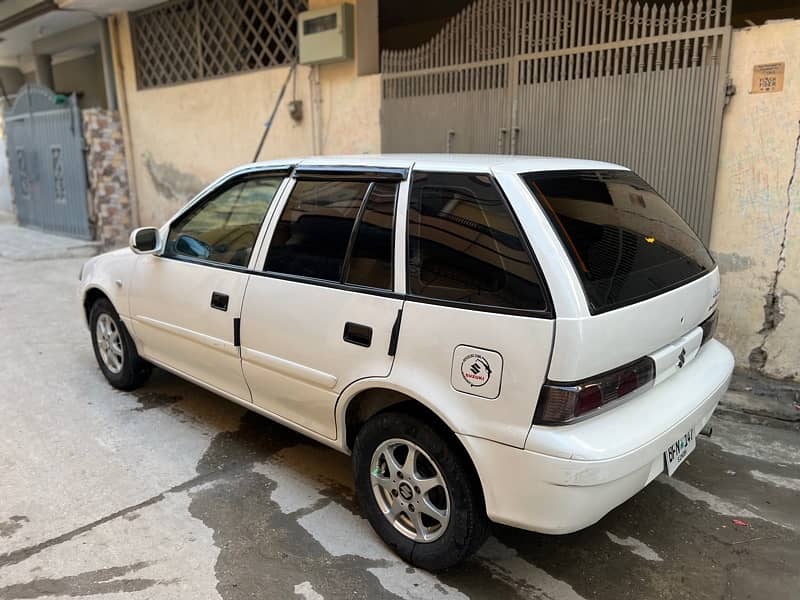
114,349
418,491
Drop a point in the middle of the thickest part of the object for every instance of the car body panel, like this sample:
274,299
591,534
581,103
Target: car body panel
426,363
174,323
569,477
110,274
589,345
293,352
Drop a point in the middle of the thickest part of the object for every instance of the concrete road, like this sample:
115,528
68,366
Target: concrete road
172,492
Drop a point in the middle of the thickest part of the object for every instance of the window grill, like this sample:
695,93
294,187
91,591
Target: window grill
190,40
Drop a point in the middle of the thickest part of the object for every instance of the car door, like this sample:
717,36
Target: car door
477,326
321,313
186,302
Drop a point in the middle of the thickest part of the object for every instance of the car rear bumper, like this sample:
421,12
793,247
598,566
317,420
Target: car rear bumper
567,478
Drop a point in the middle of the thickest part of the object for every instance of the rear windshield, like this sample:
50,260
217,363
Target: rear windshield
625,241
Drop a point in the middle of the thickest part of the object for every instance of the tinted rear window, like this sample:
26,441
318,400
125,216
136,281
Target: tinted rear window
626,242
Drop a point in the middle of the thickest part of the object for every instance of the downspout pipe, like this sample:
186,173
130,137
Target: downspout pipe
108,65
122,100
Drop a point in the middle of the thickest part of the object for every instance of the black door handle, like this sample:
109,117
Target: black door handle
357,334
219,301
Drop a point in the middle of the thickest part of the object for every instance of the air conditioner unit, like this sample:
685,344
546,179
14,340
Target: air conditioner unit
326,34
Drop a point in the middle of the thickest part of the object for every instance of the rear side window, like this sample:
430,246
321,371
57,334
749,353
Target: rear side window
338,231
312,236
464,245
626,242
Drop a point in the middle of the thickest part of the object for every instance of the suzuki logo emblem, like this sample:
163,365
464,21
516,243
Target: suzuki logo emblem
682,358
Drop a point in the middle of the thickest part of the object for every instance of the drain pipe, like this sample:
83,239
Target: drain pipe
108,64
316,110
122,95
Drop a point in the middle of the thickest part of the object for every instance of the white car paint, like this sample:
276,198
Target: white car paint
292,367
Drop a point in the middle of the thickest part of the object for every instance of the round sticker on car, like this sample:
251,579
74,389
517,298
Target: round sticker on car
475,370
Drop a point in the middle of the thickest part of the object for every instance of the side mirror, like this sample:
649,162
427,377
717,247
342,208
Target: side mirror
145,240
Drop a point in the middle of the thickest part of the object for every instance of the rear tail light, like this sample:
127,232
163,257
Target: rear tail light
563,403
709,327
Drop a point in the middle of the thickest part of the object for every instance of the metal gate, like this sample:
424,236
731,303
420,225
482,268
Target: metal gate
609,80
48,168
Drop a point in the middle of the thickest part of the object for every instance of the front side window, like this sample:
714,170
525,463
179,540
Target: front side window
464,245
338,231
626,243
224,228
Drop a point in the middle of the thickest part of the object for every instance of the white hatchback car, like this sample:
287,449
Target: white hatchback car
521,340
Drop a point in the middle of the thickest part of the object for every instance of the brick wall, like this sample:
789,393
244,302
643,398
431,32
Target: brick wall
108,176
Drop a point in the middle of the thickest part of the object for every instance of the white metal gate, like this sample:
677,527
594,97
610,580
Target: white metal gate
48,166
611,80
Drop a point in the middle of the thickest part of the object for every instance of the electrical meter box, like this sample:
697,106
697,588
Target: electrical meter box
326,34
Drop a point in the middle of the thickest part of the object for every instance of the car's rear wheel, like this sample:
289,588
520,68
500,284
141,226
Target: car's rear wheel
418,491
114,349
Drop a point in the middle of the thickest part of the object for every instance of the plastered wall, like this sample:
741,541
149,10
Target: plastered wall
182,137
756,223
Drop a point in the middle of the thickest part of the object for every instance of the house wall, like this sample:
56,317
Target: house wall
757,207
182,137
83,75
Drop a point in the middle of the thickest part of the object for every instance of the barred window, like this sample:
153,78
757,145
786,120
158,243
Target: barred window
189,40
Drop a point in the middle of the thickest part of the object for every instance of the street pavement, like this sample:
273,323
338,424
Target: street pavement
172,492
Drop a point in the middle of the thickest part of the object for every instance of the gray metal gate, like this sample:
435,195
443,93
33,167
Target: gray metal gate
609,80
48,167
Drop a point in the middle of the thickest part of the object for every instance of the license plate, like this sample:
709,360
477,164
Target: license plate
679,450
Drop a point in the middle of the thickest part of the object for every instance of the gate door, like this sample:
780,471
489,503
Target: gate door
607,80
48,168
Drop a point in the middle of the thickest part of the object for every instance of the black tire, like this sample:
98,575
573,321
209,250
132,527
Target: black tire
135,370
468,525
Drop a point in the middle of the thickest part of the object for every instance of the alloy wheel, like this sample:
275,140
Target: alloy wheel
109,343
410,490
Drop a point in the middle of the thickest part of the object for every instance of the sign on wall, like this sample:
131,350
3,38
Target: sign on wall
768,78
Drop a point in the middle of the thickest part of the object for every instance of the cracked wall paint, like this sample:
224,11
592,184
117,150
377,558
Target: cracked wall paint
756,205
773,302
171,183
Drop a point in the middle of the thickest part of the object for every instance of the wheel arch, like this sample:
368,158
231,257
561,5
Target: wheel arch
370,397
92,294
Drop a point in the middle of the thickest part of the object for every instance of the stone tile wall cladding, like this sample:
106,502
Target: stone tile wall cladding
109,195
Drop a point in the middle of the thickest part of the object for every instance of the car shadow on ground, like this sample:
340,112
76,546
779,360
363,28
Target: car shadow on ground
658,544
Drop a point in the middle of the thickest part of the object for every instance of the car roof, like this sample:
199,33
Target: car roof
447,162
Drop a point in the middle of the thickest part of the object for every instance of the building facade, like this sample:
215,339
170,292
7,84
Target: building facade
194,81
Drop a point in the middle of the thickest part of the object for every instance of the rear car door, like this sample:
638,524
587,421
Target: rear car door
184,303
320,314
477,325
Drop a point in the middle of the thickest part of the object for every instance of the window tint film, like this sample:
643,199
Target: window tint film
313,234
370,261
224,229
625,241
464,245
